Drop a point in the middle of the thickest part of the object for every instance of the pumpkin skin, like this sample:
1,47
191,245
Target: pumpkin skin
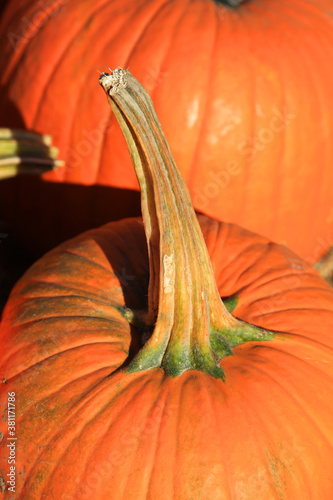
86,430
244,97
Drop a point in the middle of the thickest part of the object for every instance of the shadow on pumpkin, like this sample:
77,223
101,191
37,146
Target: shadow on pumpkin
43,214
36,216
10,115
124,246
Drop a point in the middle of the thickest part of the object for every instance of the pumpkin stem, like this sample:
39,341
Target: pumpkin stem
26,152
193,329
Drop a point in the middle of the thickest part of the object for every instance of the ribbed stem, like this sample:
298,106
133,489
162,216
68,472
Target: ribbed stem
26,152
193,328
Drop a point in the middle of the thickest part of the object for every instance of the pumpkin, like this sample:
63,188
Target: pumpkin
254,78
124,389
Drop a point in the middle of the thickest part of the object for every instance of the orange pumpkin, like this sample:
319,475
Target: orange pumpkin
244,96
117,396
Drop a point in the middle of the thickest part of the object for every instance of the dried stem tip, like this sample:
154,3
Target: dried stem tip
114,81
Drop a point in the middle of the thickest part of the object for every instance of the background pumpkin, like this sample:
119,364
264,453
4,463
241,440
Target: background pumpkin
244,97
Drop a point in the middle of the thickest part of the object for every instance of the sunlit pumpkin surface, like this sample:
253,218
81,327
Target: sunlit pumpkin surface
87,432
244,96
